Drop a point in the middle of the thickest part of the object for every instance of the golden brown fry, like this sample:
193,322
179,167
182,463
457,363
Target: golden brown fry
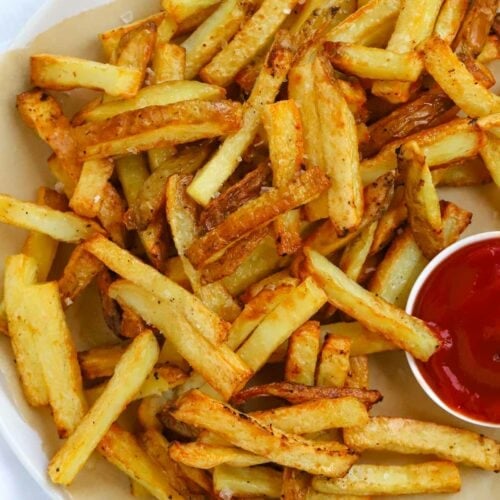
234,197
358,372
303,350
110,309
427,477
355,254
471,172
131,324
124,451
169,63
491,50
100,361
422,201
373,312
454,78
247,433
111,214
212,176
189,13
297,393
257,213
65,73
333,362
295,484
404,435
130,373
450,18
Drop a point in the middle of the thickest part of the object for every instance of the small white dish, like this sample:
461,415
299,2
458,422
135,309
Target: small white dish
417,287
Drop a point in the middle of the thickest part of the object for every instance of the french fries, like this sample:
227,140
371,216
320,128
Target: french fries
100,361
196,409
66,73
412,436
427,477
130,372
333,362
377,315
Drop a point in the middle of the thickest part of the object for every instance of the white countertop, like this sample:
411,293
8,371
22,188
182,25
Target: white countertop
16,483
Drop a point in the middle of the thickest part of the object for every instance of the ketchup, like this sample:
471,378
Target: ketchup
461,301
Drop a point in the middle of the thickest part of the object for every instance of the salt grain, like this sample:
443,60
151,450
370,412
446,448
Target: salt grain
67,301
127,17
97,198
59,187
287,11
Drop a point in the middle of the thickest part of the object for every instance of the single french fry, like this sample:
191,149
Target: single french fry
212,176
111,214
78,273
333,362
470,172
293,311
169,63
272,282
184,10
415,437
216,30
358,372
374,63
124,451
66,73
283,126
129,375
148,410
422,201
490,51
156,126
131,268
295,484
243,431
89,191
21,272
219,366
363,341
247,42
302,354
57,355
427,477
257,213
414,25
454,78
490,150
155,95
340,150
403,330
247,482
61,226
449,19
100,361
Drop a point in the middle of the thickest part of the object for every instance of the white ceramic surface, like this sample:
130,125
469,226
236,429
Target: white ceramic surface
417,287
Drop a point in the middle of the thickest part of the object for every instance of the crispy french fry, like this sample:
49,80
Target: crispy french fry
247,481
363,341
110,309
156,126
454,78
358,372
148,410
422,201
414,25
66,73
333,362
247,433
355,254
415,437
272,282
293,311
124,451
295,484
129,375
131,268
216,30
253,37
154,95
283,126
471,172
61,226
20,272
212,176
373,312
216,297
57,355
303,350
188,13
80,270
427,477
100,361
297,393
374,63
158,156
89,191
449,19
219,366
340,151
169,63
491,50
257,213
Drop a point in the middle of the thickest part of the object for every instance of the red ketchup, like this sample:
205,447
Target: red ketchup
461,300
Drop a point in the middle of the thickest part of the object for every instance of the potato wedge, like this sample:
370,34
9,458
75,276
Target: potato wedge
67,73
243,431
411,479
404,435
373,312
130,373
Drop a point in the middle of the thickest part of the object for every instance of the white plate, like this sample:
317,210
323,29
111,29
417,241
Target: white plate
29,432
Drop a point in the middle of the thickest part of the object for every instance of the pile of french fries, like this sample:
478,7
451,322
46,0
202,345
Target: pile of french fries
253,185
